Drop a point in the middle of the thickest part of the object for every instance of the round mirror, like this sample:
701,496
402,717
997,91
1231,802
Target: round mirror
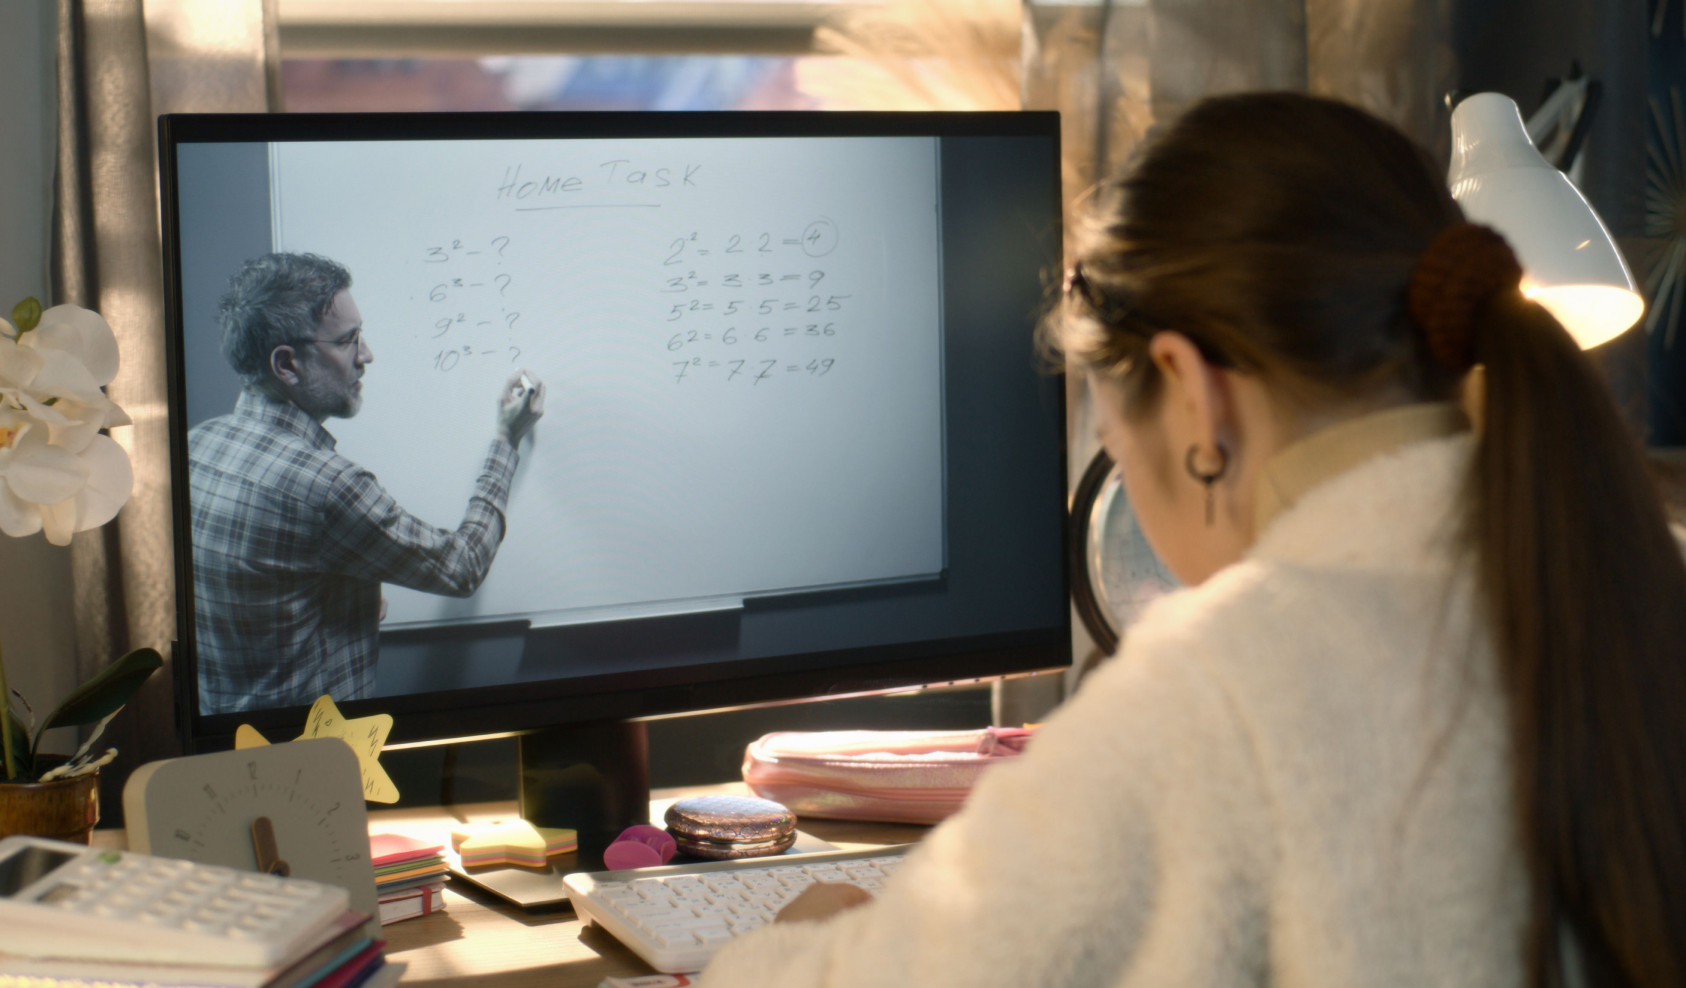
1114,572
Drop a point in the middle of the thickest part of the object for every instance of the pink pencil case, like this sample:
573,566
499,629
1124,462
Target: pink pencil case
885,776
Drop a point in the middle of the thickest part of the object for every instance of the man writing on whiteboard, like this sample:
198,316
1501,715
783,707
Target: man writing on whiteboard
291,541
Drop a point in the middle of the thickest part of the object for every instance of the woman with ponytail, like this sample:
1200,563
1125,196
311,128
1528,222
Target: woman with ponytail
1420,716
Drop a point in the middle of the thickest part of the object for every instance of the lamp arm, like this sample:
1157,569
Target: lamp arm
1545,119
1583,123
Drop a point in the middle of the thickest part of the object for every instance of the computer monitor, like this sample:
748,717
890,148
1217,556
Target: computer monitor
797,440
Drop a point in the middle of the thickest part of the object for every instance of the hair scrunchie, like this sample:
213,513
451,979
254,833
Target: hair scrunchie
1464,266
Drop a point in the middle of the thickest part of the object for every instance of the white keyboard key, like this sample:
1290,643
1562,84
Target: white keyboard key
246,933
112,909
677,921
259,883
651,909
713,936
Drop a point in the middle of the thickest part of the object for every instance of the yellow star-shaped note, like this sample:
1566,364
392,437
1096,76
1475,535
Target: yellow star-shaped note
365,735
511,842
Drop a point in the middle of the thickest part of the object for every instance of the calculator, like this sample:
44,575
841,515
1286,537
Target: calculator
72,901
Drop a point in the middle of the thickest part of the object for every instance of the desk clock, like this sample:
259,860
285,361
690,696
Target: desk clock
293,809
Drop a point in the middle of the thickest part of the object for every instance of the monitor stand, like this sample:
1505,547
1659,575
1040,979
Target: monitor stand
593,779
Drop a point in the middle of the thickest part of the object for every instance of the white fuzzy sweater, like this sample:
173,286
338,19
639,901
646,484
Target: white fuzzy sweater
1293,774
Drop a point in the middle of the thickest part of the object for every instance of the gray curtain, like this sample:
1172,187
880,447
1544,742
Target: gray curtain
1114,69
209,55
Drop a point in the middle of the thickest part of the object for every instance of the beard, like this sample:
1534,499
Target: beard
328,399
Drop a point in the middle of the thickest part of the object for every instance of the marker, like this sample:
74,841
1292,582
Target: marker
525,387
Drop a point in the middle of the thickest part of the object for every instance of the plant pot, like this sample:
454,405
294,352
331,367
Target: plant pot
65,809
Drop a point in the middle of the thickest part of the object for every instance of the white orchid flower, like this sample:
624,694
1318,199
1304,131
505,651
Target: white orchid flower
58,474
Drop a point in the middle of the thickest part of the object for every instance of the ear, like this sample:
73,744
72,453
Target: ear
1197,402
283,363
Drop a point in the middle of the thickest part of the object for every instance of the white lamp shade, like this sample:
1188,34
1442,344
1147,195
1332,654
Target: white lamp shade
1570,264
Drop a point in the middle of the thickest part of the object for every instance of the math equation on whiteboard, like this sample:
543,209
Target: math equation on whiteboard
472,301
745,308
751,307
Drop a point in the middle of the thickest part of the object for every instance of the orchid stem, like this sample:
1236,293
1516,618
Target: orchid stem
6,721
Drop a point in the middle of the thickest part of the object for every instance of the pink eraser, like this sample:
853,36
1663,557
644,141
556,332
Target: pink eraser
640,846
624,854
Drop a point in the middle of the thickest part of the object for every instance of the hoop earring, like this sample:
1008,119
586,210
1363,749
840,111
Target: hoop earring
1208,479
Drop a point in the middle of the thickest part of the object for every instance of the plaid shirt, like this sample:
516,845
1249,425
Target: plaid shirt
291,543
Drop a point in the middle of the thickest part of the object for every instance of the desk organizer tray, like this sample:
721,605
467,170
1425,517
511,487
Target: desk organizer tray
884,776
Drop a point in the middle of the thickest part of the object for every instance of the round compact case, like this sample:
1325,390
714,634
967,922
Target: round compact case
729,827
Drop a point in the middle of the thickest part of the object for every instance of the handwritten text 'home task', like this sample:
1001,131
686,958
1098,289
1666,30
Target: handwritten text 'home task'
535,191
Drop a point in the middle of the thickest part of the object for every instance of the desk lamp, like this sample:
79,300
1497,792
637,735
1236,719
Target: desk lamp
1570,264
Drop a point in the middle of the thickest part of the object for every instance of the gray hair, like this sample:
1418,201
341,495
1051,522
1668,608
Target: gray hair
274,300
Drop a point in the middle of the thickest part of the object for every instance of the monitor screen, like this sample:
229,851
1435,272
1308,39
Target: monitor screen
497,421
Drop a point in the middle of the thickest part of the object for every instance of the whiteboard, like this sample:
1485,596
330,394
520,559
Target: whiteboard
741,341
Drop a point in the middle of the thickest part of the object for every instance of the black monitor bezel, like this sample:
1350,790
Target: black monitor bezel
618,696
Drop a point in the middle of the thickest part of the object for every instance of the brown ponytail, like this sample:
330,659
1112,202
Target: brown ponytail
1588,593
1282,234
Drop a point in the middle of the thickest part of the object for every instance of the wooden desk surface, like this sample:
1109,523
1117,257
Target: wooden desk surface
479,938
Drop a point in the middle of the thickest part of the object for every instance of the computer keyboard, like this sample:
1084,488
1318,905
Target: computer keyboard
677,916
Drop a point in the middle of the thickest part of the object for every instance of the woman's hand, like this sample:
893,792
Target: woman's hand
823,901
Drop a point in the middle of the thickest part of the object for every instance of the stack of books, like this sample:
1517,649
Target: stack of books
341,956
410,876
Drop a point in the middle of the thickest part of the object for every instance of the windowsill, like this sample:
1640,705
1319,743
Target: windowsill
410,28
